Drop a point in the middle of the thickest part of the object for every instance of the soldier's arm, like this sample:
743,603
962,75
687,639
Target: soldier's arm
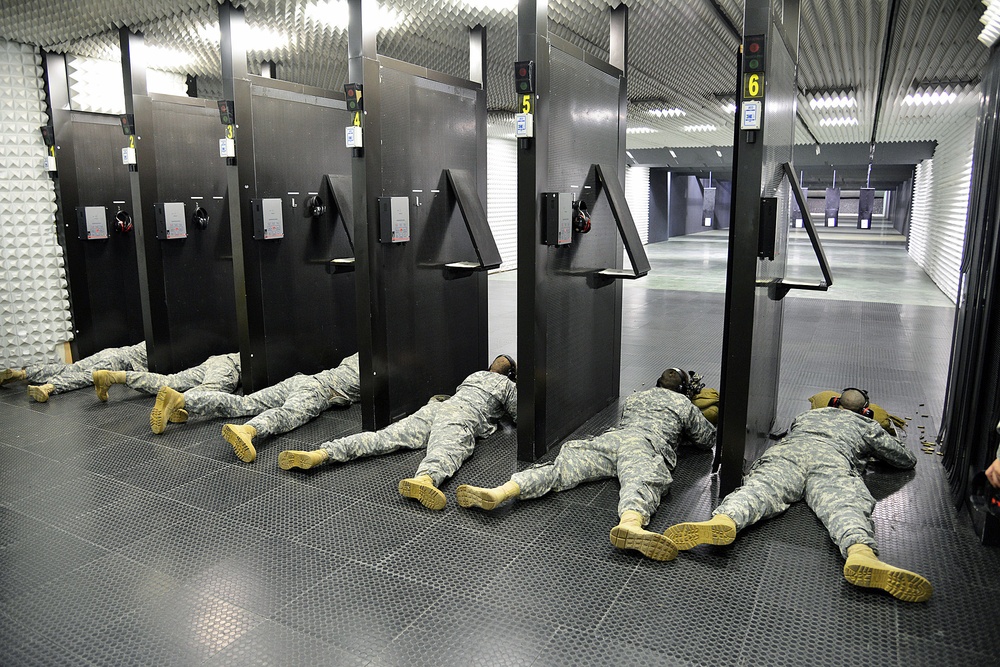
698,430
510,401
888,448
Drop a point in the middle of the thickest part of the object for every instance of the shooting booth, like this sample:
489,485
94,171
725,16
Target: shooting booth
178,185
764,186
573,224
290,202
422,242
94,219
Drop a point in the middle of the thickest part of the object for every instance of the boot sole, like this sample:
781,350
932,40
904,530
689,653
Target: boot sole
161,412
650,545
244,450
900,584
467,497
37,394
429,497
689,535
288,460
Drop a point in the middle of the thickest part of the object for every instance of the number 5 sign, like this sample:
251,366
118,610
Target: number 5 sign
753,85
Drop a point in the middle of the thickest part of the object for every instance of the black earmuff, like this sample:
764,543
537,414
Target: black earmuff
685,386
864,410
314,207
123,222
581,217
200,218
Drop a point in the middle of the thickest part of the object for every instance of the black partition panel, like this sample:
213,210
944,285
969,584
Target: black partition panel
308,303
757,243
421,302
197,271
103,273
582,340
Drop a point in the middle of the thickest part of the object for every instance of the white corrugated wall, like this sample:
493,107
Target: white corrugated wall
940,204
637,196
501,197
34,301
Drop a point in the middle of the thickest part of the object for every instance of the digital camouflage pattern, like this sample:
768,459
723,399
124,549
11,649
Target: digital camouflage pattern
447,429
820,461
641,451
286,405
217,373
67,377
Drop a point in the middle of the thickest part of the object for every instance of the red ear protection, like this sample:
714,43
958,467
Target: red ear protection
123,222
581,217
864,410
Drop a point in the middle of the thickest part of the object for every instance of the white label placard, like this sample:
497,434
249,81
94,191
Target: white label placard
750,114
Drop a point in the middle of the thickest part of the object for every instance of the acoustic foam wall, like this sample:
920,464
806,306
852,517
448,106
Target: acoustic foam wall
34,302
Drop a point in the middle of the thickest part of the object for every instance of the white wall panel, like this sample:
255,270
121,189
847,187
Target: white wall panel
940,204
501,197
34,302
637,196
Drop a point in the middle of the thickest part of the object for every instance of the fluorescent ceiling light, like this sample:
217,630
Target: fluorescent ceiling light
640,130
838,122
334,14
929,98
832,102
673,155
258,38
700,128
667,113
719,153
730,107
629,153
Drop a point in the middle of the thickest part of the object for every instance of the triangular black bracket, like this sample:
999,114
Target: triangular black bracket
463,186
342,192
607,180
777,289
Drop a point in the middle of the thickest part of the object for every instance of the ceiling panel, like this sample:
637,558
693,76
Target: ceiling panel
681,53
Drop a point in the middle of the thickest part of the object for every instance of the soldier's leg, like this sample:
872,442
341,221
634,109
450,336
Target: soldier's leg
213,404
219,373
844,505
12,375
578,461
644,477
448,445
150,383
304,402
409,433
772,484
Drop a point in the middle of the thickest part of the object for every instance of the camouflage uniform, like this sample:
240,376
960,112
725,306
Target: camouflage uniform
67,377
820,460
286,405
641,451
448,429
218,373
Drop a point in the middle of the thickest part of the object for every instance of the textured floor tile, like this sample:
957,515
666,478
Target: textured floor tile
224,489
271,643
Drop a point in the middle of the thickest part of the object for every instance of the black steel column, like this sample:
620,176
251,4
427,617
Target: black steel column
367,181
152,289
242,188
532,167
618,57
477,73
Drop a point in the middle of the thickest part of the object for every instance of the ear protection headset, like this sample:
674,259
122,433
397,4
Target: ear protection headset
123,222
863,410
581,217
685,386
512,371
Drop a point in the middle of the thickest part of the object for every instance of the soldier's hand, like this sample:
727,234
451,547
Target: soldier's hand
993,473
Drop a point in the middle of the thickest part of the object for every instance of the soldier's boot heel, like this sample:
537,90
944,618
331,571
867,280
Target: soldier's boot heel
487,499
11,375
629,534
103,381
40,392
291,458
421,488
863,568
241,438
720,529
168,403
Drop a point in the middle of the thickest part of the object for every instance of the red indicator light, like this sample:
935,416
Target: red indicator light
350,92
754,47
